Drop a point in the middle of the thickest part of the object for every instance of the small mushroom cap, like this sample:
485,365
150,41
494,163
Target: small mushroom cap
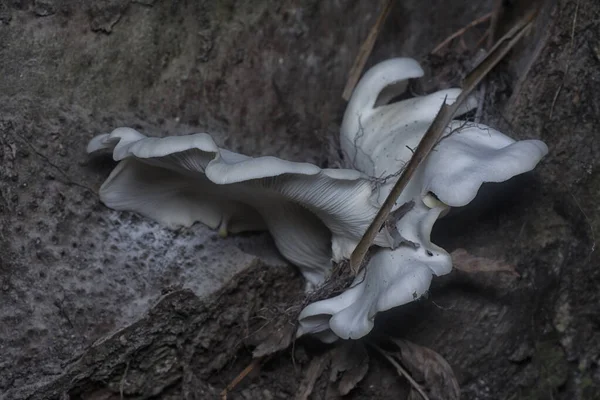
390,279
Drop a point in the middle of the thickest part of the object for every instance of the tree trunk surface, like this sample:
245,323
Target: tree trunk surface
99,304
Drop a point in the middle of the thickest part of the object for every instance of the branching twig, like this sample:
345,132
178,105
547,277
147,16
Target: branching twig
365,50
69,181
61,310
434,133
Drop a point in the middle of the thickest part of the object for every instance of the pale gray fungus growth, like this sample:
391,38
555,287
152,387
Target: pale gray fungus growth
317,216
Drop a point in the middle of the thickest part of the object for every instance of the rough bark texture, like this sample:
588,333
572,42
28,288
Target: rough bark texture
96,304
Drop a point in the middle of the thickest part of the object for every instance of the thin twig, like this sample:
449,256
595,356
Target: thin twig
69,181
566,72
482,39
122,383
256,362
588,220
365,50
497,10
435,132
480,103
401,371
61,310
461,31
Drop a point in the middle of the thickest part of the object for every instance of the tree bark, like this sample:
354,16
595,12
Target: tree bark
96,304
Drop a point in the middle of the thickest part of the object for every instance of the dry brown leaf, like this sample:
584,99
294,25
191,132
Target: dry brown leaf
430,369
349,365
313,372
402,372
464,261
274,337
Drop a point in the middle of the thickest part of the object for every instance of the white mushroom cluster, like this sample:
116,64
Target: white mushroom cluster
317,216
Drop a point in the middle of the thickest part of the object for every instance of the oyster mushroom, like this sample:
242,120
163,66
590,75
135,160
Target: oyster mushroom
317,216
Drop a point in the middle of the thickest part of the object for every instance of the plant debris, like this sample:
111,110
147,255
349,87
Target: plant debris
253,365
403,372
462,31
315,370
433,376
464,261
277,335
349,365
365,50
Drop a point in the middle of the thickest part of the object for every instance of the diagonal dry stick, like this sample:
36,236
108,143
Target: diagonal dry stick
240,377
365,50
461,31
435,132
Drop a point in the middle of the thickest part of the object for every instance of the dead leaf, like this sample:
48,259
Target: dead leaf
415,387
313,372
430,369
273,338
349,365
464,261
